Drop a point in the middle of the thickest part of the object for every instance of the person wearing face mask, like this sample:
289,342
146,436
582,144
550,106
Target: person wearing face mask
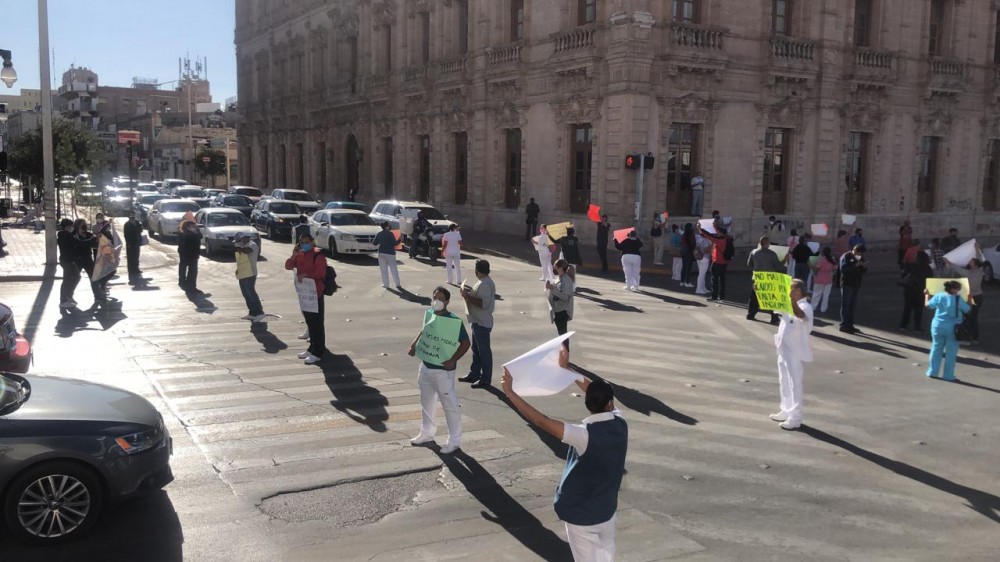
247,253
68,261
437,382
387,242
84,243
105,265
309,262
452,241
479,302
560,295
792,342
189,251
133,243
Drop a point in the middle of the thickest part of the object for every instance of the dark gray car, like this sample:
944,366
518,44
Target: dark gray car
67,447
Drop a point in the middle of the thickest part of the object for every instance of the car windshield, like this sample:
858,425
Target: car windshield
351,219
227,219
150,199
285,208
346,205
430,213
237,201
295,196
249,191
191,192
119,193
11,392
179,207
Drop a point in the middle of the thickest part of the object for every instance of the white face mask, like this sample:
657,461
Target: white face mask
437,305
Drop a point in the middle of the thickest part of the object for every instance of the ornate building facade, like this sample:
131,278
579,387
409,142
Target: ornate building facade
805,109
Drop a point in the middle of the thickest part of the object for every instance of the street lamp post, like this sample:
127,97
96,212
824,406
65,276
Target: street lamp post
48,163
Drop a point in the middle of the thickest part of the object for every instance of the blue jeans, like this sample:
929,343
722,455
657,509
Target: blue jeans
849,296
482,355
697,196
248,287
943,343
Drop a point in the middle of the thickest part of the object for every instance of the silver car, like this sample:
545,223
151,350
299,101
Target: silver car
166,215
219,227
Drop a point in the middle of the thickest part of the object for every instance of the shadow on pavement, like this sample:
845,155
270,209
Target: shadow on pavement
557,447
201,302
609,304
672,300
71,321
351,394
926,350
38,307
974,385
408,296
504,510
867,346
983,502
639,401
272,343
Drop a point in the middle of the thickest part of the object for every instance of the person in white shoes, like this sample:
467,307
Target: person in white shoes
437,382
544,248
792,342
387,242
452,241
309,264
247,253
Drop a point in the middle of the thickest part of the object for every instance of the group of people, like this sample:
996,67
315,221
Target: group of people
94,252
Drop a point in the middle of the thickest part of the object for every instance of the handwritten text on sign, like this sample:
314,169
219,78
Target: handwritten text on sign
308,297
772,291
438,339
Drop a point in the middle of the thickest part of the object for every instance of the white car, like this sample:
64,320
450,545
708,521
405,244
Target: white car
303,199
344,231
219,227
166,215
170,183
991,257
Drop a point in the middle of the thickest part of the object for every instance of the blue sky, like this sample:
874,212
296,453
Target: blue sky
119,39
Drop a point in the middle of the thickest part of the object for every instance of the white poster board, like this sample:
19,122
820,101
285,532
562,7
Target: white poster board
848,219
782,251
962,255
708,225
537,372
308,298
813,247
820,230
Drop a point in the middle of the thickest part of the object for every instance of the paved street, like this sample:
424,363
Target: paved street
890,466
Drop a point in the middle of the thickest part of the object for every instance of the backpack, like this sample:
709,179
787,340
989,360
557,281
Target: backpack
730,251
330,281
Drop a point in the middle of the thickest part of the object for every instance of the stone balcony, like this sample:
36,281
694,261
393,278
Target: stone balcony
452,66
791,57
946,75
879,67
414,73
685,35
578,40
504,55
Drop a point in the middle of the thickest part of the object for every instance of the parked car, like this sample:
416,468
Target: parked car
144,203
346,205
166,214
240,202
15,350
147,186
219,227
68,447
211,192
344,231
402,214
991,260
276,218
118,202
303,199
192,192
252,192
170,183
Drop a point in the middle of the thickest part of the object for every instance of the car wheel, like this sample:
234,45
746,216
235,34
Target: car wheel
332,248
988,272
53,501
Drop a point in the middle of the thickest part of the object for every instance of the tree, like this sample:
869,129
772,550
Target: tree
75,150
215,165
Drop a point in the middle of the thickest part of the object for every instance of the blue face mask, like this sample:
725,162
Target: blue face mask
306,247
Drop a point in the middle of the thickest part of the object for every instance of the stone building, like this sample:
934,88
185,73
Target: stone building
885,109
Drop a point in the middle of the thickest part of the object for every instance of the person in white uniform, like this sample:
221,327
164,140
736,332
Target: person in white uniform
542,246
452,241
792,343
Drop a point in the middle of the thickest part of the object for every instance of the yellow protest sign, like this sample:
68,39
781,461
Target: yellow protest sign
936,285
438,339
558,231
772,291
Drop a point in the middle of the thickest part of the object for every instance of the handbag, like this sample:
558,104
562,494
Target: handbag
961,330
144,240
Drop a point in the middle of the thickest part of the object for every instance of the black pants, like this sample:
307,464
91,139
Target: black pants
687,264
561,320
719,280
602,252
71,278
99,295
913,305
753,307
132,258
317,330
530,229
972,318
187,273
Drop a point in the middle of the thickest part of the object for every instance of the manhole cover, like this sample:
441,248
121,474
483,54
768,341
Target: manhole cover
352,504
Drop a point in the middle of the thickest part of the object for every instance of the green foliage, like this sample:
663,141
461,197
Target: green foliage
75,150
216,165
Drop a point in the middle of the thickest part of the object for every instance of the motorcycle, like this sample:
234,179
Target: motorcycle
15,350
426,246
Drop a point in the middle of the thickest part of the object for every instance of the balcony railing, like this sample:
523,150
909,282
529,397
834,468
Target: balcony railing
684,34
378,80
792,49
414,73
575,39
504,55
877,59
947,68
452,66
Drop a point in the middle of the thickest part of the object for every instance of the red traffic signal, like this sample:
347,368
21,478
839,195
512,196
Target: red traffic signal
632,161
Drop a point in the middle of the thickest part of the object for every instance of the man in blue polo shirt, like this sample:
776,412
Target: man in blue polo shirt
587,496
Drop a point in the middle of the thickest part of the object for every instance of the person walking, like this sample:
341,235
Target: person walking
247,252
309,264
689,245
630,248
437,382
479,302
84,243
697,195
792,343
676,262
531,212
560,296
762,259
133,243
387,242
720,261
188,252
544,248
974,273
656,233
825,267
702,253
68,262
603,232
852,268
949,308
913,280
570,247
452,242
587,496
800,257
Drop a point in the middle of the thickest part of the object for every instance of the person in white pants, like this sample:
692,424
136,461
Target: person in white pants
631,259
387,242
792,343
437,381
541,244
705,247
452,241
675,251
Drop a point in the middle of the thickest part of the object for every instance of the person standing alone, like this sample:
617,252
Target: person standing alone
603,231
949,309
560,295
630,248
310,265
133,242
387,242
452,241
852,269
531,212
658,241
479,301
792,342
68,261
544,247
247,253
188,250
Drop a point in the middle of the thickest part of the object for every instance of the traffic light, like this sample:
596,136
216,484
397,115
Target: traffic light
632,161
647,164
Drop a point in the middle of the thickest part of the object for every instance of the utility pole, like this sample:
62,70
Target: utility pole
190,130
229,177
48,162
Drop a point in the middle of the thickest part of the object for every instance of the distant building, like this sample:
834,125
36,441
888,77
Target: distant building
27,100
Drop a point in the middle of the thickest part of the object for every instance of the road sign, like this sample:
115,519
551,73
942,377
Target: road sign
125,137
218,143
206,159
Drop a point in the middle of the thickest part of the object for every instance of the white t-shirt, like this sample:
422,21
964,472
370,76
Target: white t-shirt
576,435
452,237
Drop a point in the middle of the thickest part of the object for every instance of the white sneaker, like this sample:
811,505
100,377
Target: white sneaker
246,317
449,449
627,288
312,359
305,335
421,439
779,417
304,354
259,318
790,424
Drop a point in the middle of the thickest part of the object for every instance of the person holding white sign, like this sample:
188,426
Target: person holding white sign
309,264
949,309
437,381
587,496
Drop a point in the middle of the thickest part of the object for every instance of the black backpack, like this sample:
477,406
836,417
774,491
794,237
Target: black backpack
330,281
730,251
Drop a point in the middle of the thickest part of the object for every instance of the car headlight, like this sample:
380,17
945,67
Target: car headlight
138,442
279,220
346,237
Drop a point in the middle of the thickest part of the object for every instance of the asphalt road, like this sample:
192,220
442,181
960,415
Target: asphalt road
891,465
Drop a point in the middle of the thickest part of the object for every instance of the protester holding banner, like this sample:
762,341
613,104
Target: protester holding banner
544,248
560,296
630,248
587,497
913,280
949,309
309,264
105,265
792,343
247,252
720,263
762,258
603,233
479,303
442,341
